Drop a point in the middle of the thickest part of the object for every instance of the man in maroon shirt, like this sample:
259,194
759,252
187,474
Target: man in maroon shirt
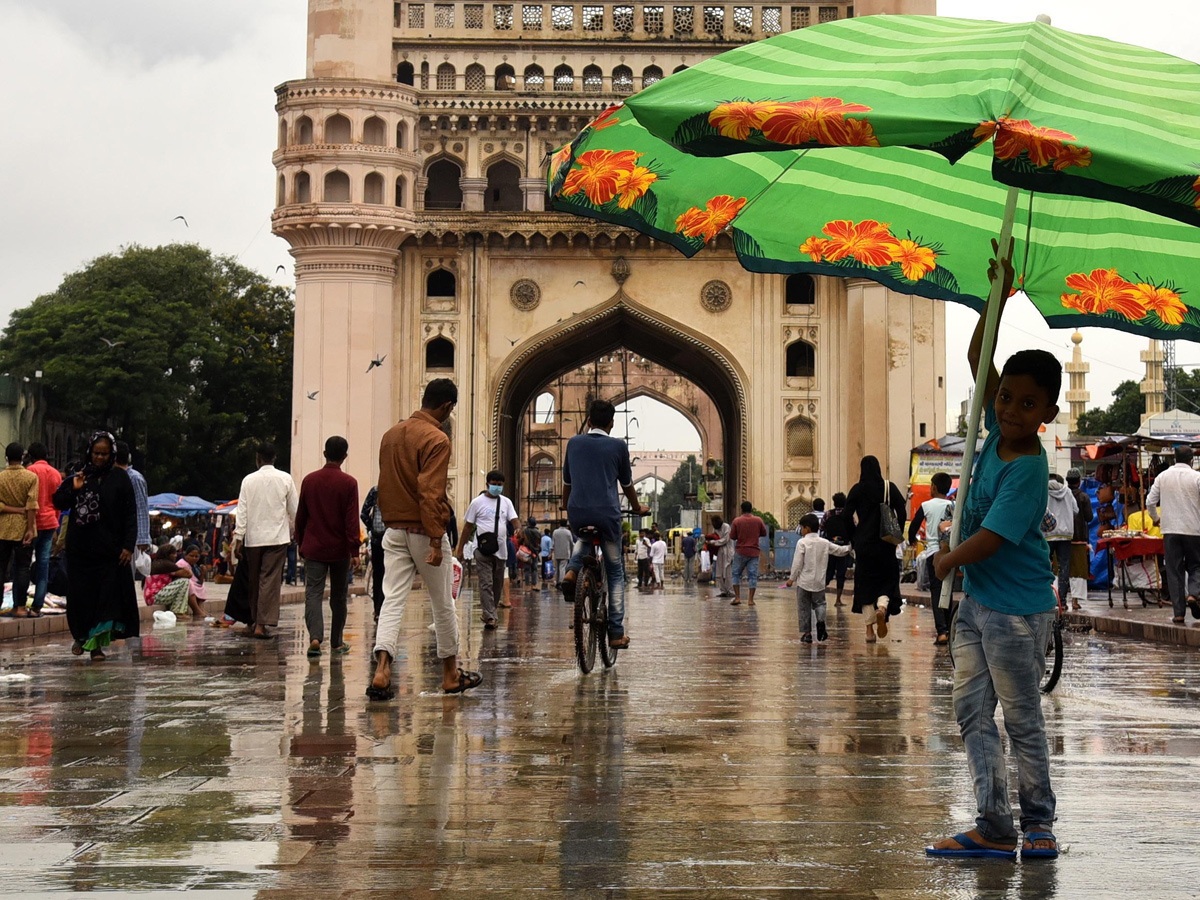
745,532
328,535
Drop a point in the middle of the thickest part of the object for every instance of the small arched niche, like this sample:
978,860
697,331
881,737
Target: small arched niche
801,439
800,290
304,130
373,188
622,80
505,78
504,188
475,78
281,192
302,188
441,283
439,354
797,509
650,75
401,191
404,73
442,190
337,187
535,78
375,132
337,129
401,135
801,360
593,80
283,133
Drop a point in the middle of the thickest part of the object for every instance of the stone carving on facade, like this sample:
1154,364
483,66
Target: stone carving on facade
525,294
716,296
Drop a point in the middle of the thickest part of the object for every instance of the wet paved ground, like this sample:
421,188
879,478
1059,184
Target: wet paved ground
720,758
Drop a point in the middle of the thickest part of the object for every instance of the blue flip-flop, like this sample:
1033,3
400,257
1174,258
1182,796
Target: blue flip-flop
1039,852
971,850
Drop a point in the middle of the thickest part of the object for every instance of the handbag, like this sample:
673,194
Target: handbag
489,542
890,531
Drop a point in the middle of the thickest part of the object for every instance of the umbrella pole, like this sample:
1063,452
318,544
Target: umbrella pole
987,352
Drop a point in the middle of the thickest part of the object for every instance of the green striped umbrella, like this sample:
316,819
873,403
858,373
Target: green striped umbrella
896,148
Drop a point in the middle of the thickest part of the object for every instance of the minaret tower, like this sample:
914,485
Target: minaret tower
1153,385
1077,394
346,171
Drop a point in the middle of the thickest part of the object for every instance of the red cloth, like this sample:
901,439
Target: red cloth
1124,548
745,532
327,517
48,481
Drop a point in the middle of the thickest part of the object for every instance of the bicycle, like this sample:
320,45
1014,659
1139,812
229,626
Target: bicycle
591,607
1054,644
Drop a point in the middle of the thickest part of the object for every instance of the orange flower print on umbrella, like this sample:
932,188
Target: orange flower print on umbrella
1070,155
605,119
737,119
1196,188
869,242
915,261
561,158
815,247
717,213
984,132
1040,144
859,133
1161,301
1104,291
820,119
633,185
598,173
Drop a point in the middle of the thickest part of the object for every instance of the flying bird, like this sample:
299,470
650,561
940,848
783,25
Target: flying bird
513,342
185,224
578,283
281,268
312,395
112,344
377,361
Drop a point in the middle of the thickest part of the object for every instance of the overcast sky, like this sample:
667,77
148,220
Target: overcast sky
123,114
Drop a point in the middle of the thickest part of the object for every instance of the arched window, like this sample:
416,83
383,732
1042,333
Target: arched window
442,190
375,132
301,188
476,77
593,80
506,78
337,187
564,78
544,409
304,130
283,131
622,80
404,73
445,77
337,130
800,289
651,74
401,135
424,76
535,78
797,510
441,283
678,69
801,360
800,438
281,193
503,188
400,191
544,482
373,188
439,354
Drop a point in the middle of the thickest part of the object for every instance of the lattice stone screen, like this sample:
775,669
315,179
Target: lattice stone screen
797,510
800,17
800,439
476,78
443,15
531,17
827,14
502,17
473,15
652,19
593,18
714,20
683,19
623,19
622,80
743,19
772,19
562,18
416,15
445,77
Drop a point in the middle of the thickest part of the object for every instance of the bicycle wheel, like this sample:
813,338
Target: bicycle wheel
1054,657
607,654
587,592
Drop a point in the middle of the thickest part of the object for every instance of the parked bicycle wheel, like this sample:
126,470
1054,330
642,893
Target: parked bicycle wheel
1054,650
587,595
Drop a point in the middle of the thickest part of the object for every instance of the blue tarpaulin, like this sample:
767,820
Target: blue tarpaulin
180,504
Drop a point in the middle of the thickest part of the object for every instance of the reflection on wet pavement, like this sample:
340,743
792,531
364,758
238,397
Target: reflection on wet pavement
721,757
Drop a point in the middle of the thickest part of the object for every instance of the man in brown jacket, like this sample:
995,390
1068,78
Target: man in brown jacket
414,458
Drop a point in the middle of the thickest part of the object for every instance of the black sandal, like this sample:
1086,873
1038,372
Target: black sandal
466,681
1194,605
380,693
77,648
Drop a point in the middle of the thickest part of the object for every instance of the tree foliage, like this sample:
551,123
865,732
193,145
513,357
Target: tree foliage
675,494
1123,416
185,355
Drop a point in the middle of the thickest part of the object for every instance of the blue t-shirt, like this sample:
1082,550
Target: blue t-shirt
547,545
1009,499
594,466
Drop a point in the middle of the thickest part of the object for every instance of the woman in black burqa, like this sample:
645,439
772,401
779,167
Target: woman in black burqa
876,568
101,533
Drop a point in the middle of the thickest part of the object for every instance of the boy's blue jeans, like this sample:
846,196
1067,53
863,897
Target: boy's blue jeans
1003,657
614,570
41,566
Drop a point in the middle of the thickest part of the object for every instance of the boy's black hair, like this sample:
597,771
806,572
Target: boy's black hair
439,392
747,506
601,414
37,451
818,505
1041,366
942,482
14,452
266,452
811,522
121,454
336,448
839,500
495,477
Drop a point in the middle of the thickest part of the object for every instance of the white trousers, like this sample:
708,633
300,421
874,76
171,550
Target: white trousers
1079,589
658,572
404,555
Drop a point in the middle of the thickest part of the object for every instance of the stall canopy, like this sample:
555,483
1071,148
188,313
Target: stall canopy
179,504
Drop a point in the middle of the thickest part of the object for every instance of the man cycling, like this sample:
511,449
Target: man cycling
594,464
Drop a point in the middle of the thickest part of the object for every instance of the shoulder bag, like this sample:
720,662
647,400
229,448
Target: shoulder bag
890,531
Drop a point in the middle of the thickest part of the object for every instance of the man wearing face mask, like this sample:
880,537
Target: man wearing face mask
485,518
414,460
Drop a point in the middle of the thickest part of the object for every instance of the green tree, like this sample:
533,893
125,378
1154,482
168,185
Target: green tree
679,492
185,355
1123,415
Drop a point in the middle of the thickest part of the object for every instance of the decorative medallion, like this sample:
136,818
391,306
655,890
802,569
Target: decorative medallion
519,148
716,296
458,148
525,294
488,148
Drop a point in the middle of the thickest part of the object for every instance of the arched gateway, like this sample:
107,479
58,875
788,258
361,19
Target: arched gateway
422,242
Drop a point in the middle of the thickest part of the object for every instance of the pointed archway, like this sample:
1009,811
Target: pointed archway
622,322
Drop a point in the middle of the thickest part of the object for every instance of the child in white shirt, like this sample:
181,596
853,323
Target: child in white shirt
658,558
808,576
